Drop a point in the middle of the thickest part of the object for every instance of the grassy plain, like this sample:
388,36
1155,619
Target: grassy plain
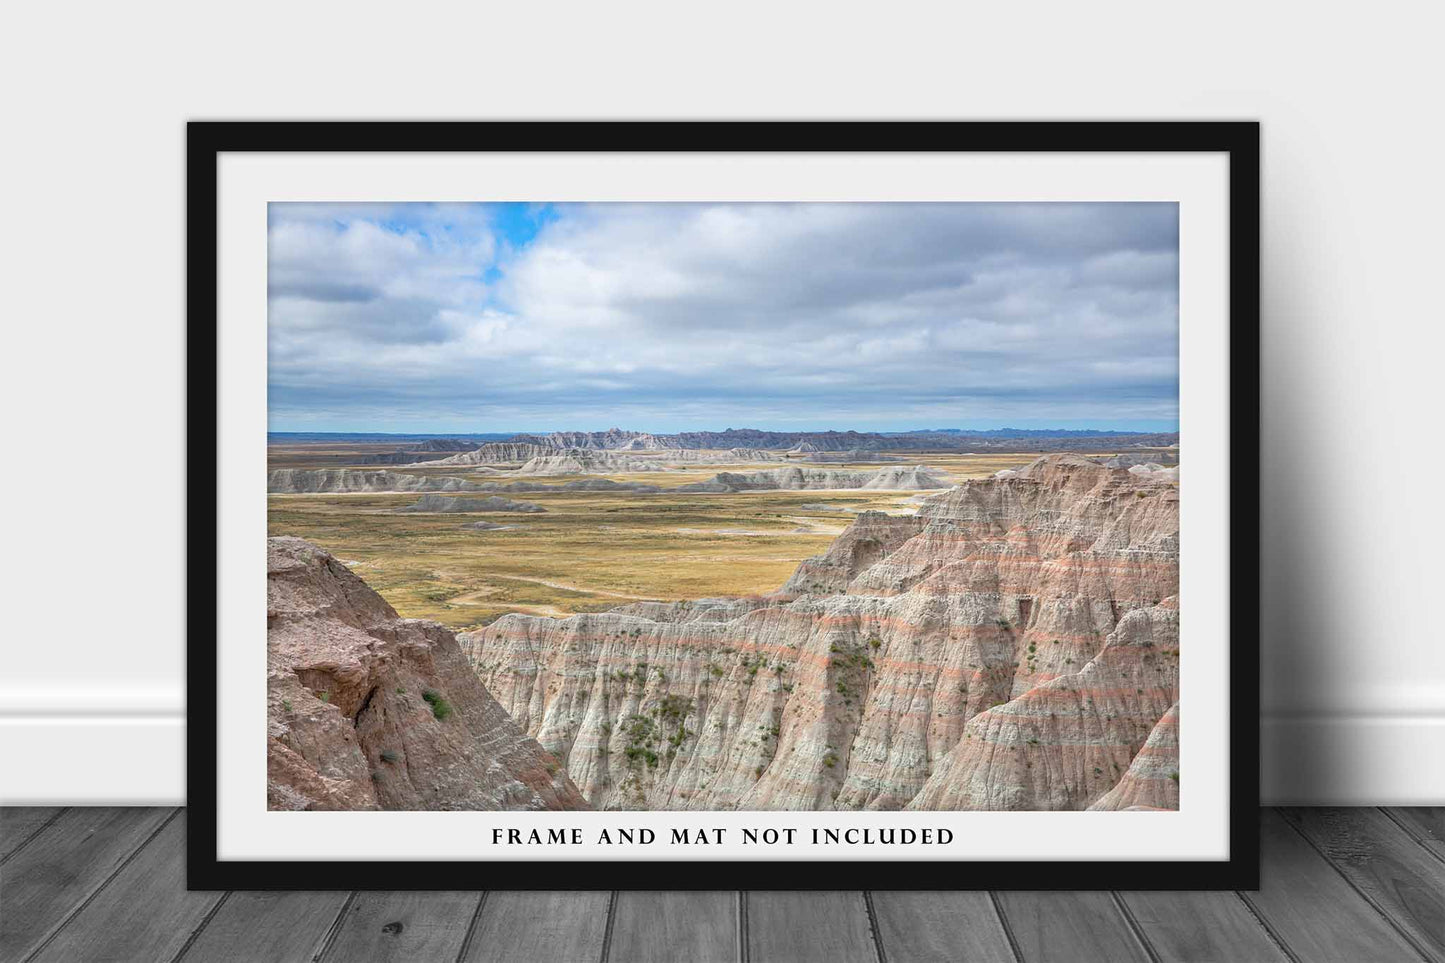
590,550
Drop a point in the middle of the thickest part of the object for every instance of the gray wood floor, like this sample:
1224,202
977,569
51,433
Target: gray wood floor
1354,885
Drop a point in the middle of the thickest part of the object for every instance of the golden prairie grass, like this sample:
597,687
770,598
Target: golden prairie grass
590,550
597,550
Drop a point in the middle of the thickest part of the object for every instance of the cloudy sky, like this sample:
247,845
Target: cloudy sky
666,317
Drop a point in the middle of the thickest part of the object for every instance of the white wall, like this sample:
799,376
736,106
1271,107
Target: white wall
91,692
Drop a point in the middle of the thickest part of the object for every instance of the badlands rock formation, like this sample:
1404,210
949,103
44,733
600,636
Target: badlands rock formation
1012,646
492,503
785,440
730,456
445,444
866,543
403,457
495,453
1152,781
422,451
1132,458
613,439
1006,439
1155,473
299,480
587,461
366,710
336,480
799,478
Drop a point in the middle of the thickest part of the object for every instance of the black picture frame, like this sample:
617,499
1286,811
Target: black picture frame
206,140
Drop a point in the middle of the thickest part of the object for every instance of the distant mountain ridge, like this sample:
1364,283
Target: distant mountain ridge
487,448
1023,432
406,438
617,439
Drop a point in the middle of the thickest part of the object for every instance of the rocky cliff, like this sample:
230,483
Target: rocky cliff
404,457
300,480
587,461
1156,472
494,453
808,478
613,439
1012,646
1129,459
1152,780
366,710
1004,439
422,451
730,456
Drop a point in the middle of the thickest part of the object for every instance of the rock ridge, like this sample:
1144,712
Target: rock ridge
367,710
341,480
1013,645
809,478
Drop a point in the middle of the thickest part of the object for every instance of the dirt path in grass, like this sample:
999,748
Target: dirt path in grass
472,598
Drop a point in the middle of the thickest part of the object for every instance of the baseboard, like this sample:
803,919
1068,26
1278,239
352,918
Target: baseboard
1352,760
95,760
138,758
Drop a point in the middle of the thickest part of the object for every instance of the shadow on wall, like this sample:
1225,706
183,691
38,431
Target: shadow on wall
1310,603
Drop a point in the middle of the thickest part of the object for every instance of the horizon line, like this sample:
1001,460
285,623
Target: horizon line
780,431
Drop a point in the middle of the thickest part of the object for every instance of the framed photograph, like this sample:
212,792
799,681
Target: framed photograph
813,501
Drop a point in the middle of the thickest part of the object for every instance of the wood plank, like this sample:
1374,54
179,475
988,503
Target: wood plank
663,927
267,928
1201,927
801,927
1076,926
63,866
540,927
1393,871
1312,909
1425,823
19,823
145,913
943,927
404,926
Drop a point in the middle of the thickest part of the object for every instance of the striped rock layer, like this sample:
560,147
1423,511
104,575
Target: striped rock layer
809,478
587,461
494,453
307,481
1012,646
1152,781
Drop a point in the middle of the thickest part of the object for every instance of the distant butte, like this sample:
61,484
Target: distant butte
523,447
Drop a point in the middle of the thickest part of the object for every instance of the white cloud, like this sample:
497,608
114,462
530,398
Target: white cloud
672,316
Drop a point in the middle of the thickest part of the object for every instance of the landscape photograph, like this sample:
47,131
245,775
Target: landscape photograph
715,507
